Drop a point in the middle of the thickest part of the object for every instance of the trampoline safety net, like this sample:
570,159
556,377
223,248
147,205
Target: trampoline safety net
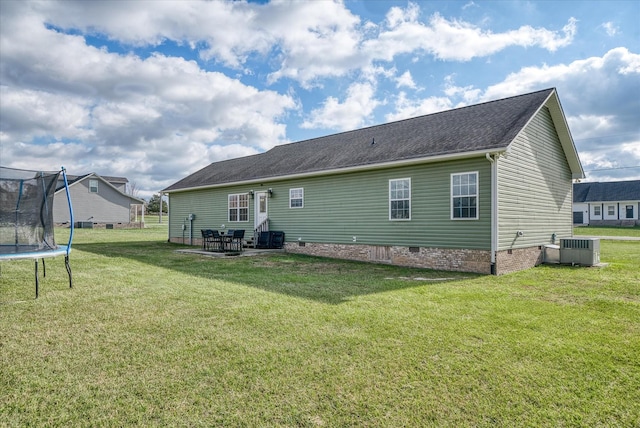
26,210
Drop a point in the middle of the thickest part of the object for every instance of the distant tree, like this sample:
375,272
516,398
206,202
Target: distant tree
133,189
153,206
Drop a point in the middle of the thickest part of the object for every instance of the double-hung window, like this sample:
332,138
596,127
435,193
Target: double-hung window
296,198
93,186
400,199
464,196
239,207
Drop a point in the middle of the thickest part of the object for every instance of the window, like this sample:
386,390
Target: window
93,186
611,210
596,210
464,196
400,199
296,198
239,207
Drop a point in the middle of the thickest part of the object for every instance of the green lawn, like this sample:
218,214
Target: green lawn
607,231
150,337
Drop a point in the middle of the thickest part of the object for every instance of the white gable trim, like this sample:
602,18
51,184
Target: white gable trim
566,141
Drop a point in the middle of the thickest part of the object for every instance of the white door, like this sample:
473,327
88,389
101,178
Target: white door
261,208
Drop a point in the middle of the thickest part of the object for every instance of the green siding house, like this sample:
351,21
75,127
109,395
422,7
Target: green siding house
481,189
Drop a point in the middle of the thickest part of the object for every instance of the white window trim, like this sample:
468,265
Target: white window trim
238,208
390,200
301,189
90,186
599,208
477,195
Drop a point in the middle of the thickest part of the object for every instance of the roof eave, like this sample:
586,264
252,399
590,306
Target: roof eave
382,165
93,174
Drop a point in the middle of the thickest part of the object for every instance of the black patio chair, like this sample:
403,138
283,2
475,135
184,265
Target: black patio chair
204,239
236,240
216,241
208,239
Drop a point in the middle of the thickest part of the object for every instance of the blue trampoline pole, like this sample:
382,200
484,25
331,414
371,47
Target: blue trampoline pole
66,257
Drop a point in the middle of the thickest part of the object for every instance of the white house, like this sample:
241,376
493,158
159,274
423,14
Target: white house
614,203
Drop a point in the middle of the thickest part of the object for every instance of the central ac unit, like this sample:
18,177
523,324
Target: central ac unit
580,251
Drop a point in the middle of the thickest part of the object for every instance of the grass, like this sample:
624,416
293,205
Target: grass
149,337
607,231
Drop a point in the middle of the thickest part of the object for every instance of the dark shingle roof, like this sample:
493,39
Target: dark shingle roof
476,128
607,191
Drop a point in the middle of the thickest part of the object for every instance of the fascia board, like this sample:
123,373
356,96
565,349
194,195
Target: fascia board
383,165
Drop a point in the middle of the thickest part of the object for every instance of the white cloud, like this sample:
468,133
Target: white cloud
64,102
314,40
456,40
132,90
586,126
600,97
468,5
632,149
406,108
26,114
610,28
405,80
615,72
352,113
467,94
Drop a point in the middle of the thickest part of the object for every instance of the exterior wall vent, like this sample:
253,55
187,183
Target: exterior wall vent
580,251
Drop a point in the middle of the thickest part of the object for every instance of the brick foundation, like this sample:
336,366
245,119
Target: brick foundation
460,260
518,259
448,259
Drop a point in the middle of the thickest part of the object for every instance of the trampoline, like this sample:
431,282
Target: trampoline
26,217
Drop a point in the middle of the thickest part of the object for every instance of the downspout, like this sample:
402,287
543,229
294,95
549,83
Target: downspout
494,210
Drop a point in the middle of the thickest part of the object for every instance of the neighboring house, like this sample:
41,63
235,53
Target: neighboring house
614,203
96,199
481,188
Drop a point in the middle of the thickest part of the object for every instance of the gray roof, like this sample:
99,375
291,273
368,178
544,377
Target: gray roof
482,127
110,180
607,191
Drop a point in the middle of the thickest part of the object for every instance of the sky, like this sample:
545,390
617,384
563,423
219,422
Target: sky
156,90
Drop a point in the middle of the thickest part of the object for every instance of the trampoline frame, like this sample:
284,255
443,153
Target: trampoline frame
54,252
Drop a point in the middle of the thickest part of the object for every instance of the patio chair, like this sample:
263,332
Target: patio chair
208,240
216,241
204,239
236,240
